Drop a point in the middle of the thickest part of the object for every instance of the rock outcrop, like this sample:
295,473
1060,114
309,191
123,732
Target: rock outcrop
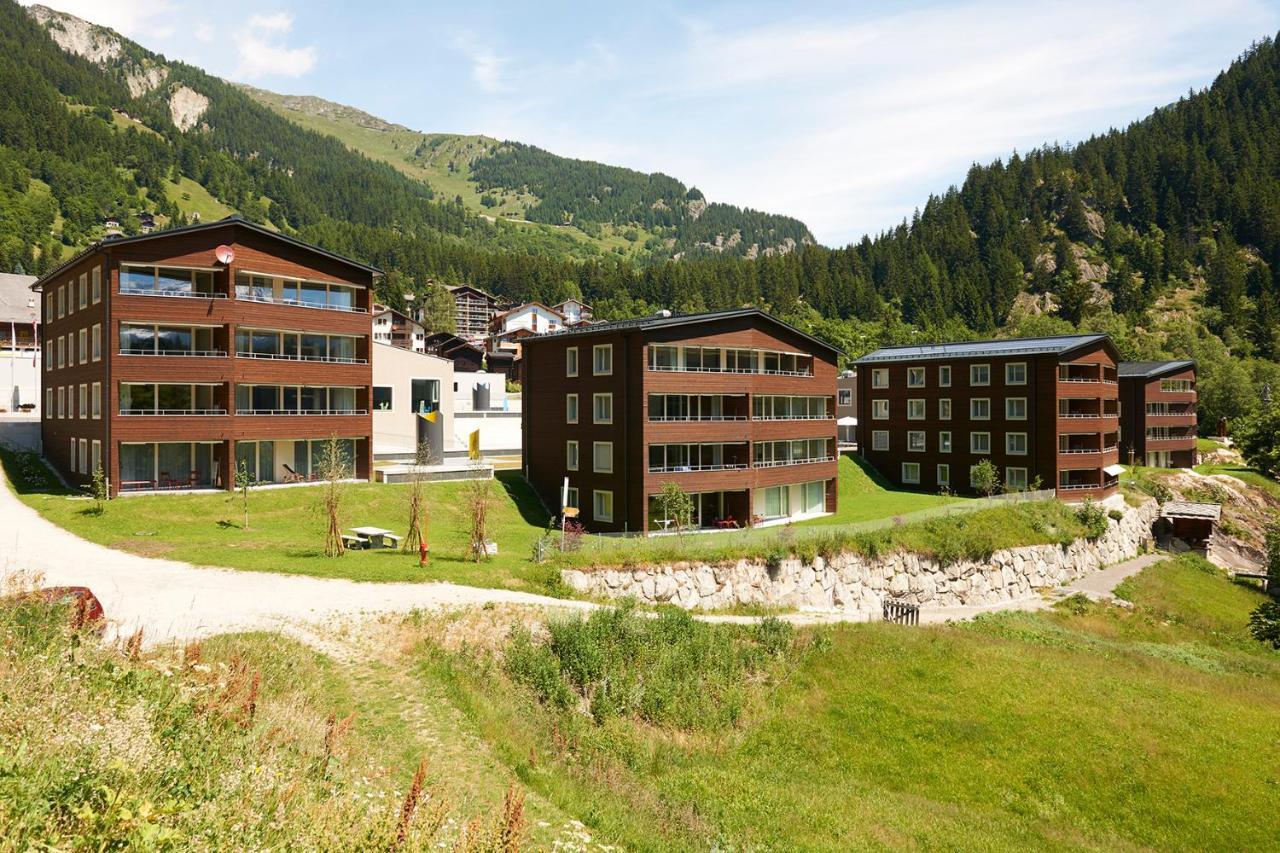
854,583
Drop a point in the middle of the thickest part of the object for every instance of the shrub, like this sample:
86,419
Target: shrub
774,635
985,477
537,668
1093,517
1115,515
1264,623
1156,489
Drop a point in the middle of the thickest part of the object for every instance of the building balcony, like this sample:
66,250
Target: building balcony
779,463
300,303
200,353
144,413
125,290
300,412
308,358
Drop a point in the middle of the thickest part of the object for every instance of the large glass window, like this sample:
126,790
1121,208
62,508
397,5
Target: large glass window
382,397
137,465
425,395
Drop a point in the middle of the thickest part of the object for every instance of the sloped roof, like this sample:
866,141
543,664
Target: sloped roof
1186,509
659,321
1151,369
15,293
1057,345
234,219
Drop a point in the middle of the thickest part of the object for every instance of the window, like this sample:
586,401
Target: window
602,506
424,395
571,455
880,410
777,501
84,456
602,363
571,408
915,441
602,457
95,455
915,410
602,408
62,351
1015,408
95,280
84,290
97,400
48,401
845,397
944,409
97,342
73,455
915,377
911,472
83,408
62,402
1015,479
979,442
880,377
84,346
980,409
1015,373
944,375
571,361
1015,443
48,305
571,497
944,441
944,474
62,301
880,439
383,398
167,281
979,374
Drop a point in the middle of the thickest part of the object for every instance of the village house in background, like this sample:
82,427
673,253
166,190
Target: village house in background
397,329
177,355
574,311
1039,409
19,344
847,409
473,312
735,407
1158,413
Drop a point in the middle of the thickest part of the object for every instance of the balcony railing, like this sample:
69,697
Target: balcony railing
280,357
298,303
1073,487
172,412
1088,415
192,294
674,369
196,353
686,418
677,469
774,463
792,417
1158,438
280,412
1171,414
1072,450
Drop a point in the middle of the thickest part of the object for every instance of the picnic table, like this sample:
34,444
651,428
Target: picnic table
376,537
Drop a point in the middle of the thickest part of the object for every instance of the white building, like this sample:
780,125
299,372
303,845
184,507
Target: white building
574,311
392,327
19,342
534,316
406,384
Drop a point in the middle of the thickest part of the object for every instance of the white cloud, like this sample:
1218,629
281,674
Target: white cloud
487,66
262,54
138,21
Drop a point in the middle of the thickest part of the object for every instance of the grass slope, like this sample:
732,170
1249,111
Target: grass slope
1091,727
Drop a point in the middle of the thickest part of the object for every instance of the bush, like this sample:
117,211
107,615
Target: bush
1156,489
1115,515
985,477
1264,623
1093,517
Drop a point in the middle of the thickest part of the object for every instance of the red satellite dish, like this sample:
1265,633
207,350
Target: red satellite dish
224,254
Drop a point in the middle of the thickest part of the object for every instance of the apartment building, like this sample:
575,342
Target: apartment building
1042,410
1158,413
473,312
736,407
847,408
176,355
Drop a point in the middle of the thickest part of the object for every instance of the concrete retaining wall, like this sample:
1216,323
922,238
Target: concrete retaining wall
850,582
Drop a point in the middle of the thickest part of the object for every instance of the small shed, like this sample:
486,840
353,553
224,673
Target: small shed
1193,523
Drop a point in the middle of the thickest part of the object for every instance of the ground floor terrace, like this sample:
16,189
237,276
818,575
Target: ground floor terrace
738,508
1076,484
153,466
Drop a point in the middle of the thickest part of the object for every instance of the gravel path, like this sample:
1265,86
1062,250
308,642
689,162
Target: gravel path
1101,585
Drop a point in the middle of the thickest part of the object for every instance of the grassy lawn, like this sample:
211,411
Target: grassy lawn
865,495
1252,476
1087,727
1208,445
286,530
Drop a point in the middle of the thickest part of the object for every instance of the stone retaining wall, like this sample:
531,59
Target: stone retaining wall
851,582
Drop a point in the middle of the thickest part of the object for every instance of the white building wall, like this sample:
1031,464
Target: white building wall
395,430
19,378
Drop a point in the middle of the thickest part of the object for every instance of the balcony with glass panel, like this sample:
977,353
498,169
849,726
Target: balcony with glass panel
140,280
297,346
332,296
679,408
804,451
297,400
699,359
142,399
170,340
777,407
680,458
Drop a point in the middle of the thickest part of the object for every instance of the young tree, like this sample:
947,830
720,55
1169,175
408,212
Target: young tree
243,481
674,503
98,489
477,496
985,477
333,467
416,534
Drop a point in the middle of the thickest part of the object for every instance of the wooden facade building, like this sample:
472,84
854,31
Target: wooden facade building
1158,413
177,355
736,407
1042,410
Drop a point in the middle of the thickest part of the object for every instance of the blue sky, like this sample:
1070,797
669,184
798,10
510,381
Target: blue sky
846,115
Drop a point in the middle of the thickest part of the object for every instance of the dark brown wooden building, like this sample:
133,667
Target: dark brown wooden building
1040,409
176,355
1158,413
736,407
